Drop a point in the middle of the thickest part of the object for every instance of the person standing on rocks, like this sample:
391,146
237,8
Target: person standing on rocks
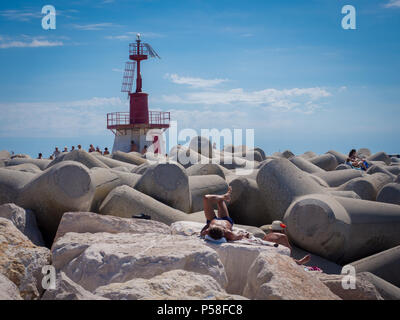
40,156
106,151
278,235
56,152
219,227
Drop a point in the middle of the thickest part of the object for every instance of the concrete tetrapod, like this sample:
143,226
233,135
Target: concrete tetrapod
389,194
306,165
26,167
66,186
281,182
80,156
368,186
199,186
376,168
325,161
105,180
41,163
128,158
125,202
338,177
11,182
247,204
308,155
168,183
385,264
112,163
201,145
340,157
206,169
342,229
380,156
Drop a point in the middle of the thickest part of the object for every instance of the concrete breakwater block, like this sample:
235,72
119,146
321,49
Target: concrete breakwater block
385,264
281,182
26,167
389,194
342,229
368,186
80,156
168,183
131,158
112,163
380,156
201,145
41,163
325,161
125,202
206,169
247,204
306,165
105,180
338,177
340,157
199,186
11,182
66,186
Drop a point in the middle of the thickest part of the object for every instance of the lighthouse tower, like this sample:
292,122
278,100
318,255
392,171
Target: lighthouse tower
139,127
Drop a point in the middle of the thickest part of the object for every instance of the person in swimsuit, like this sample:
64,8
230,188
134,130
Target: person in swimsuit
219,226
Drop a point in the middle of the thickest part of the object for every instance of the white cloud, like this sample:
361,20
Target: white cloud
58,119
93,27
286,99
20,15
393,3
35,43
194,82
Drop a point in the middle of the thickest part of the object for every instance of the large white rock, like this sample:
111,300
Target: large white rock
83,222
66,289
24,220
275,276
8,290
171,285
364,289
237,257
98,259
21,261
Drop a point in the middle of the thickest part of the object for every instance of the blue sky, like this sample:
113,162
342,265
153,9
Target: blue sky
286,69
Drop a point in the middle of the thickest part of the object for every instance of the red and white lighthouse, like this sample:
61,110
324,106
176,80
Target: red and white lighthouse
139,127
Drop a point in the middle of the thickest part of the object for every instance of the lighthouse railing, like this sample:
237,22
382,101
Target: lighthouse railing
156,118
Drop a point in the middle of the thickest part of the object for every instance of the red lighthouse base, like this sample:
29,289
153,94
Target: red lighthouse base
139,108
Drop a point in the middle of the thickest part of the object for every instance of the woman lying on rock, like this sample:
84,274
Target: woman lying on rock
219,228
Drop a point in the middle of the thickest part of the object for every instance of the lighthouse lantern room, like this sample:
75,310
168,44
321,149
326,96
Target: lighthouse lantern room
139,127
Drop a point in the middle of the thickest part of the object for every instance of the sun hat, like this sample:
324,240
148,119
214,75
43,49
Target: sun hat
277,226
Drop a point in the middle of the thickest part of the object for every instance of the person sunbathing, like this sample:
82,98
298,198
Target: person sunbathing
355,161
277,235
220,226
